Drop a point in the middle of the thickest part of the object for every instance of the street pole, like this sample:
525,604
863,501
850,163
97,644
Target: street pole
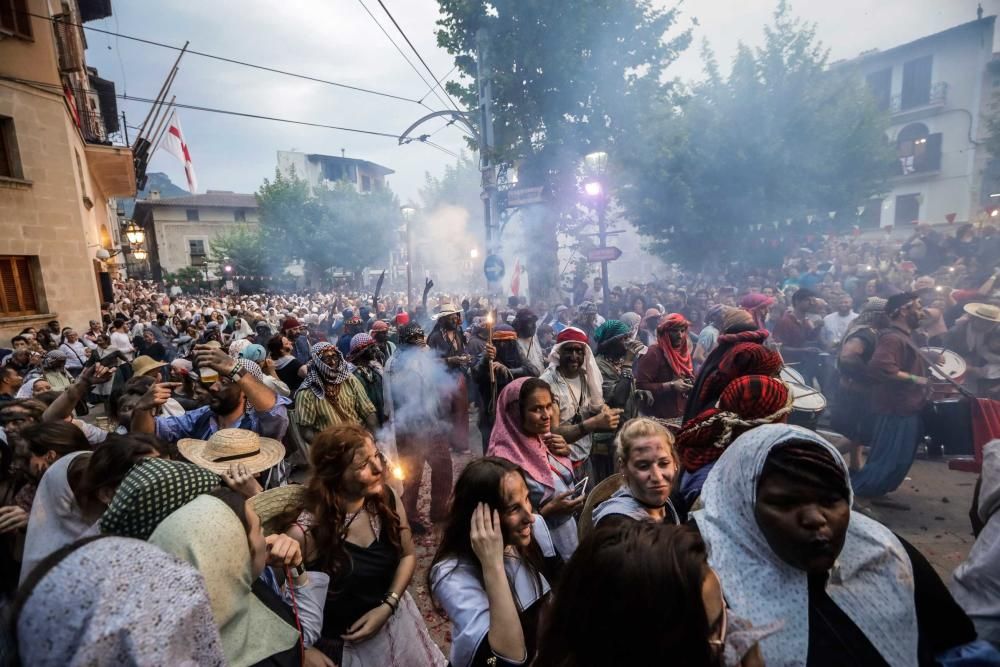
409,265
486,161
602,232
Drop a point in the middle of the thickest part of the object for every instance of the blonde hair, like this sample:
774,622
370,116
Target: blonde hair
635,429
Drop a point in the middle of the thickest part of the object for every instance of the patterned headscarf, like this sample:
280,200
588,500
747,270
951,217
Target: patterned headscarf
50,360
150,609
151,491
610,329
746,402
321,377
237,346
359,343
678,357
632,321
871,581
410,333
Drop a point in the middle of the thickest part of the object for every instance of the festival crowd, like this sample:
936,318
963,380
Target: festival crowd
681,473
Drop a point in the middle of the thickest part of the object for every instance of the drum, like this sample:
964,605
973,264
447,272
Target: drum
954,366
792,376
807,405
948,423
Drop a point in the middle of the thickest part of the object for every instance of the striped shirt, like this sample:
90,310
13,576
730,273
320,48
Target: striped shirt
352,402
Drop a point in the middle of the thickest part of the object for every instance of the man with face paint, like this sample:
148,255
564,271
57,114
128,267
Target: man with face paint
526,325
898,399
363,353
383,346
666,370
448,341
614,358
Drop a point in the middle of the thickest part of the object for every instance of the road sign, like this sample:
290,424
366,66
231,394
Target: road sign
524,197
493,268
608,254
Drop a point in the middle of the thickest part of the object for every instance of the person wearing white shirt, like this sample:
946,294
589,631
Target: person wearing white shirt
835,324
120,339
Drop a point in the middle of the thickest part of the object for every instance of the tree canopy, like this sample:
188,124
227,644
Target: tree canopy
781,138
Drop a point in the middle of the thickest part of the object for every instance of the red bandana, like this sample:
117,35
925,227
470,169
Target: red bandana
678,357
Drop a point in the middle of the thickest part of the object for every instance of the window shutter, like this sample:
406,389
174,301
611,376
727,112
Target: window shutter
17,291
26,288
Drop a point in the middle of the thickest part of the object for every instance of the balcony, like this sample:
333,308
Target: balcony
919,104
112,169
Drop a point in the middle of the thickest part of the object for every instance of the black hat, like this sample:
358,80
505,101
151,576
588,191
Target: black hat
897,301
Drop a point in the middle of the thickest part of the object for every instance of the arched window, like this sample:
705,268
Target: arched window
917,149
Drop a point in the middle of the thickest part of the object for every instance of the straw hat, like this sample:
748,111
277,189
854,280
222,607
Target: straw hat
272,504
446,310
232,445
144,364
983,311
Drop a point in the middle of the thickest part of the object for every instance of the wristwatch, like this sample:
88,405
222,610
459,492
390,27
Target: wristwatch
237,372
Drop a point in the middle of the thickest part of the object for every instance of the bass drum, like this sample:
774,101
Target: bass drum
807,405
948,423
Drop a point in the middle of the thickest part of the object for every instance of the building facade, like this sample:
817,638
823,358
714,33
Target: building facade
62,164
937,92
328,170
180,230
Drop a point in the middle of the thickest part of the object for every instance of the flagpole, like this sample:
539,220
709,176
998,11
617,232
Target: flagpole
160,96
157,135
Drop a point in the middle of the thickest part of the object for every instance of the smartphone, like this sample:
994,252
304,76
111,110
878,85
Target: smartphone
580,488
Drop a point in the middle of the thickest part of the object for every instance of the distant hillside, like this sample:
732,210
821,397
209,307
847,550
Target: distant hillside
155,181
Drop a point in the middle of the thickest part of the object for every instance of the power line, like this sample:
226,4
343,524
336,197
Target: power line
438,84
408,61
417,53
233,61
228,112
440,148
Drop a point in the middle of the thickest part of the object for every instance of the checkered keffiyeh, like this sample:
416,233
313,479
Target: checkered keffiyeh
321,375
151,492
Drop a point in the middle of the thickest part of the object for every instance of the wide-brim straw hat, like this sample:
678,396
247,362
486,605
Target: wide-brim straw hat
275,503
446,310
230,446
144,364
983,311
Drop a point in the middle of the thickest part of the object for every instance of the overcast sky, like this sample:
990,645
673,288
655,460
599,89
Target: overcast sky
337,40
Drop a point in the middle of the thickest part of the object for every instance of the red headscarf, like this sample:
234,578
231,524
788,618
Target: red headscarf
678,357
509,440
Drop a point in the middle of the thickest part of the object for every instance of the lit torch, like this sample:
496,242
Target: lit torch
489,340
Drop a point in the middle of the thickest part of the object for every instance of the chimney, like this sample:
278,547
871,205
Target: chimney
154,195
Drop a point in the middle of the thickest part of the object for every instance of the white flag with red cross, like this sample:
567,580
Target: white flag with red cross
174,143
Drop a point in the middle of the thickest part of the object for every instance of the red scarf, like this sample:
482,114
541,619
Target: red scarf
678,357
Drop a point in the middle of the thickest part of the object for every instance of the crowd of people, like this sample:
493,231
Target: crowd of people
677,473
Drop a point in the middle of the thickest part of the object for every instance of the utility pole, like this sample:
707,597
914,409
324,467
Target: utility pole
486,158
602,235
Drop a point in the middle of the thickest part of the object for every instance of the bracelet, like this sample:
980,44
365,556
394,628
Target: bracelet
235,374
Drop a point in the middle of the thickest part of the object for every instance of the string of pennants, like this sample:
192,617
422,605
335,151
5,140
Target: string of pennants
195,281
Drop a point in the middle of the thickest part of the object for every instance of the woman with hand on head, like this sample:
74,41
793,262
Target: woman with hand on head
487,574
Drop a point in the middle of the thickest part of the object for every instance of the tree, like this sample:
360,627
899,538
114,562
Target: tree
782,138
330,229
582,90
242,248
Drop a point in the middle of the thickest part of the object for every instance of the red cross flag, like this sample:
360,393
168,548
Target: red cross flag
174,143
515,280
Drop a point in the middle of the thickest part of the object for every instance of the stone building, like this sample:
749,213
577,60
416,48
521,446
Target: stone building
62,163
180,230
327,170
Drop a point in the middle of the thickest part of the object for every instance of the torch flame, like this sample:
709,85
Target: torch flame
397,472
489,317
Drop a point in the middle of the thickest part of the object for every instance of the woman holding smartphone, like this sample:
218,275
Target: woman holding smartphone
522,435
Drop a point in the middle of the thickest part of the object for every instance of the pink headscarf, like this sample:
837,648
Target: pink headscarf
509,441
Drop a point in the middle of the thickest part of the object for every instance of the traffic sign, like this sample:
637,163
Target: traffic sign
608,254
493,268
524,196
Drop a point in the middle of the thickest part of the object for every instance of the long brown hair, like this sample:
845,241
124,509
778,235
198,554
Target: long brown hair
330,455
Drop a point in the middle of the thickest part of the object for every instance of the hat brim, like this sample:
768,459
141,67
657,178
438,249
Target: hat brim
273,504
968,308
445,313
271,453
151,367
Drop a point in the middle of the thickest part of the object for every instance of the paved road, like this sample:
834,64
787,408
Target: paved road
937,521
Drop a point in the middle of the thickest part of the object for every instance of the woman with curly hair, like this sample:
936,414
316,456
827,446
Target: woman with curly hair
354,529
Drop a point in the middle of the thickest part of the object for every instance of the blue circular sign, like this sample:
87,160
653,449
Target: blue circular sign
493,268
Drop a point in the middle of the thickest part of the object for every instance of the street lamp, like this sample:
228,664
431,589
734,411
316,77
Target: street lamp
596,164
408,211
140,254
135,234
474,253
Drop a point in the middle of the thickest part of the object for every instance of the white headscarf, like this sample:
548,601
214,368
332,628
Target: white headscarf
55,519
119,601
871,581
591,371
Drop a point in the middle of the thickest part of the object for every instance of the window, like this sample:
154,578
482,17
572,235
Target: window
10,159
880,85
917,83
14,18
907,209
918,150
192,215
17,289
239,215
196,248
871,217
79,173
366,183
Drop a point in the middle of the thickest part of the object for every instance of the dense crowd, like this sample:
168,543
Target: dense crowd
677,473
